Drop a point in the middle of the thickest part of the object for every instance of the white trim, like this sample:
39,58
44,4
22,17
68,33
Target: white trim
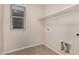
69,8
4,53
53,49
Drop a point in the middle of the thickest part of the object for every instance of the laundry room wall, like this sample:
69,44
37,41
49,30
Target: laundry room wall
62,28
1,28
33,33
52,8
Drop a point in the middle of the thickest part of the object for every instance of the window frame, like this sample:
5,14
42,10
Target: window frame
23,17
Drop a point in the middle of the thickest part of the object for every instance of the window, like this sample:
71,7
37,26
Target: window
17,17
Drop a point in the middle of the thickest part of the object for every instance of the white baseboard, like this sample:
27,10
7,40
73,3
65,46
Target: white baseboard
53,49
4,53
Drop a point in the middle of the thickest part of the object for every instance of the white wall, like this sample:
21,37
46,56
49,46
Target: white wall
1,29
52,8
62,28
33,33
